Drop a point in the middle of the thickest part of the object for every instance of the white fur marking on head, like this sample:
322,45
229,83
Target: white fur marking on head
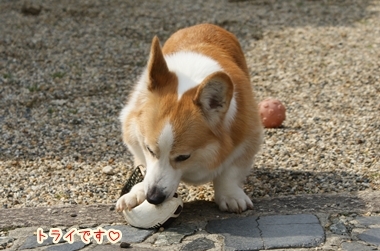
165,140
159,172
191,69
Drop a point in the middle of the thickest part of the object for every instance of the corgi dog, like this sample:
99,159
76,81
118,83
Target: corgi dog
192,117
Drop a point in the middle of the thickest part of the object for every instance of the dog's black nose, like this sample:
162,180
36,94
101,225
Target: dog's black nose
155,196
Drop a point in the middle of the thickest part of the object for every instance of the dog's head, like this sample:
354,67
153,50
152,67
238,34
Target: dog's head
182,122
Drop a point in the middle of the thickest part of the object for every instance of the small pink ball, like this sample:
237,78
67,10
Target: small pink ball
272,112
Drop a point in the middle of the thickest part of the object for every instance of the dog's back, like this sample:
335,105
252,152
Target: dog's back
210,40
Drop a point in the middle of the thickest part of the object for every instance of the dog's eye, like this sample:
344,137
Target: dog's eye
181,158
151,152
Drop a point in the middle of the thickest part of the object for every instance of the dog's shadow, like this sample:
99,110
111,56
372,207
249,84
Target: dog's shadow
200,210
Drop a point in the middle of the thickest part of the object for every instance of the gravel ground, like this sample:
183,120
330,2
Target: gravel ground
66,68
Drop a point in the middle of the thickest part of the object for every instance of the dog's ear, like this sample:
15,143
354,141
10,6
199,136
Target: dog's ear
157,67
213,96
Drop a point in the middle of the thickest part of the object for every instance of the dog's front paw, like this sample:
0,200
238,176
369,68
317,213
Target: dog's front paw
233,201
132,199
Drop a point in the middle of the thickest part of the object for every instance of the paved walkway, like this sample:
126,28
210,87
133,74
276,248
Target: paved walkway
335,222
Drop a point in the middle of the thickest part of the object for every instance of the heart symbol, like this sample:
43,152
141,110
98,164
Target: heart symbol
114,235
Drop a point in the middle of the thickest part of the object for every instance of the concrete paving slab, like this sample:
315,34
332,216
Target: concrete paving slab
31,242
67,246
239,233
292,235
268,232
288,219
371,236
199,244
174,234
356,246
116,247
131,234
283,231
368,220
23,232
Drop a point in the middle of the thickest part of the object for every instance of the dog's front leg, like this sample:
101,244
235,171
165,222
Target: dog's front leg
132,199
229,194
